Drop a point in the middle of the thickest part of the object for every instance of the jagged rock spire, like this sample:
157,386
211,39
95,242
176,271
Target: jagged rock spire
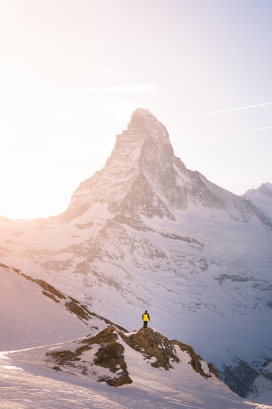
138,177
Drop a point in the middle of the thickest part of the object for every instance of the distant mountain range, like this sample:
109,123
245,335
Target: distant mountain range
147,233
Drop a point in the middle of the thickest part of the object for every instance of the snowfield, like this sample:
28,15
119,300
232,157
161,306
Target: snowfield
26,383
32,316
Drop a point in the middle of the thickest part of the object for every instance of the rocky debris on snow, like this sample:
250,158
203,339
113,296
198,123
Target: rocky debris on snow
4,266
70,303
196,360
110,355
152,344
80,310
49,290
213,370
109,352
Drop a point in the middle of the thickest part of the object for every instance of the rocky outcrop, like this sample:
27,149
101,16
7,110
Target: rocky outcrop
109,352
110,355
152,344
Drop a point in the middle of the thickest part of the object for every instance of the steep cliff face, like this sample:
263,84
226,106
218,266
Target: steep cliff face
141,175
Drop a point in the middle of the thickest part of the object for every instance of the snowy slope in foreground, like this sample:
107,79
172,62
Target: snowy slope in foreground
261,389
33,313
35,384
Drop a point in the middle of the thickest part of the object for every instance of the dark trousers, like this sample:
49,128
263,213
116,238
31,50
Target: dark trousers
145,324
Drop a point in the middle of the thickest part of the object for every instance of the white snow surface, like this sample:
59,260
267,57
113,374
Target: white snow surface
220,288
26,382
261,389
28,318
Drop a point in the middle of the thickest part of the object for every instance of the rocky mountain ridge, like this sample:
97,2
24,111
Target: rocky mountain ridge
118,369
146,232
144,177
34,312
154,348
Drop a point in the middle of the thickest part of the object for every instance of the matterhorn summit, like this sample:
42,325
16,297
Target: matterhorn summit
142,175
145,232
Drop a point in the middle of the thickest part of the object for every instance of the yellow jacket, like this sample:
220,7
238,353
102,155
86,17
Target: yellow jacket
145,317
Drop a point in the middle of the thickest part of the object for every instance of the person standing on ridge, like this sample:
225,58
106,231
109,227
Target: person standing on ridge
145,318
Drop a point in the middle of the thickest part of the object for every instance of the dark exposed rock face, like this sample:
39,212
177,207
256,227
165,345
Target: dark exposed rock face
260,390
239,377
111,355
77,309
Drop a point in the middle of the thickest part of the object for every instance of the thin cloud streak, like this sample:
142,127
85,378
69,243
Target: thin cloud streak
250,129
218,112
227,132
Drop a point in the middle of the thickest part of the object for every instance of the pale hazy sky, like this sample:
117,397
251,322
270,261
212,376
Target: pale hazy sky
72,72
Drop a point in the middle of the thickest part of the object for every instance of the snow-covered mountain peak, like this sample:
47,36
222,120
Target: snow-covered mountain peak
261,198
265,188
143,178
142,175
